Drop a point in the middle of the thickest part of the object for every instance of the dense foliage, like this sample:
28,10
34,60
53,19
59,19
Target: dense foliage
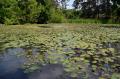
55,11
86,50
102,9
29,11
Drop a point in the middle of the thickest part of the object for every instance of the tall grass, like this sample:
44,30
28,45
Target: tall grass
92,21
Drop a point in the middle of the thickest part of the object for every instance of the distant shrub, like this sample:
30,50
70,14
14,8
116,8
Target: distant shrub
10,21
56,16
57,19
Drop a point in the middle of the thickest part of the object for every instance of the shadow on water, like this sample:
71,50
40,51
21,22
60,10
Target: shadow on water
45,26
100,72
115,45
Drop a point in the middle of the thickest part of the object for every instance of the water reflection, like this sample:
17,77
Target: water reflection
52,71
13,59
11,66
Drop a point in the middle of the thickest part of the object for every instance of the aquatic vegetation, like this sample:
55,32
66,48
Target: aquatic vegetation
80,49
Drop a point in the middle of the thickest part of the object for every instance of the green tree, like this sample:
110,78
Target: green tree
64,3
8,11
29,11
50,12
116,10
94,8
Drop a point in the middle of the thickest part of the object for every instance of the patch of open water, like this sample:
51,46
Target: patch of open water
10,67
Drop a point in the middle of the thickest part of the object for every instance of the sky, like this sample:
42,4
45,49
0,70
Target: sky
70,4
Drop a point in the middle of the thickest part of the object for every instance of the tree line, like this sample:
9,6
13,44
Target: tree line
55,11
105,9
